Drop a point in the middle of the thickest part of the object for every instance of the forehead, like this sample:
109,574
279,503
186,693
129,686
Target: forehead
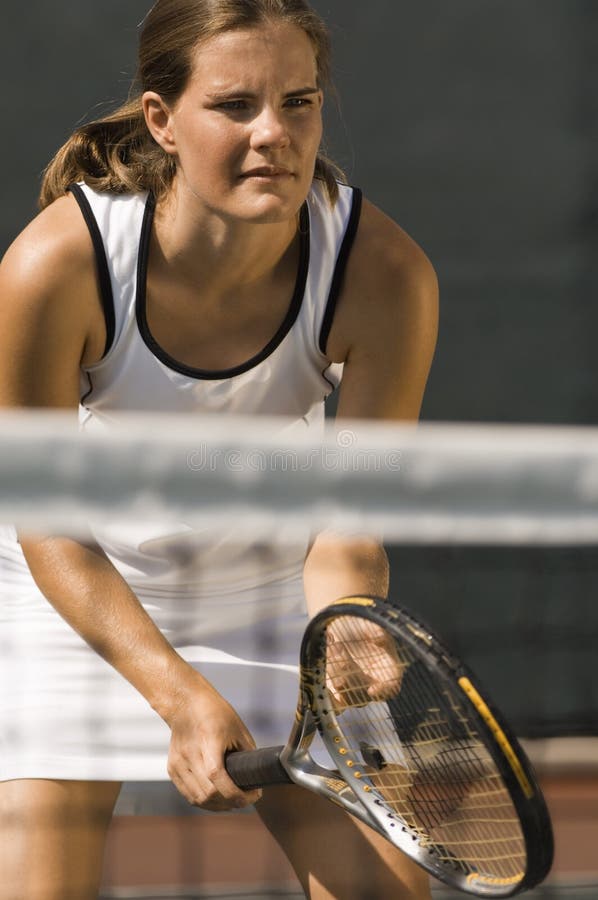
278,51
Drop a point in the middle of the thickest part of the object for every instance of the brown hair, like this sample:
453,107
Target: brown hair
117,153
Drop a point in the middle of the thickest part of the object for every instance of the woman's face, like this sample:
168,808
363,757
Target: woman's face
248,126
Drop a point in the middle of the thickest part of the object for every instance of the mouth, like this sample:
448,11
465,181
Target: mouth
267,172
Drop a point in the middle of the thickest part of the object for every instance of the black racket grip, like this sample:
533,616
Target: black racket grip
256,768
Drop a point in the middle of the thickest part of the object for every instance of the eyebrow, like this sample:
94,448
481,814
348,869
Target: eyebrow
303,92
243,95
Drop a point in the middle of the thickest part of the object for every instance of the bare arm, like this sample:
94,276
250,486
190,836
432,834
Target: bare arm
85,588
341,567
384,332
51,322
386,324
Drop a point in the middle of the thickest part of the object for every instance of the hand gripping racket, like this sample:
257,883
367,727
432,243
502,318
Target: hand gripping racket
418,751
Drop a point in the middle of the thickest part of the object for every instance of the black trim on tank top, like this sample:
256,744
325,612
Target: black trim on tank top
89,390
328,381
339,271
215,374
105,282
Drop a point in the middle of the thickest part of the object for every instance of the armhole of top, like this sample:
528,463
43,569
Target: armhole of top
105,283
341,265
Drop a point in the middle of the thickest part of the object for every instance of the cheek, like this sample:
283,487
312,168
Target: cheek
313,135
312,141
211,143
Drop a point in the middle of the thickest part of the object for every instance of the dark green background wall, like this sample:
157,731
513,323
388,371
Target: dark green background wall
474,124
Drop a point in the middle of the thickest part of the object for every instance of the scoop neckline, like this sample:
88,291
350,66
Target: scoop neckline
217,374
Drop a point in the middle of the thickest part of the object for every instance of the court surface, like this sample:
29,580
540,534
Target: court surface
193,856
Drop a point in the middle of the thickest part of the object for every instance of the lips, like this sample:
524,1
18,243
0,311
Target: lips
267,172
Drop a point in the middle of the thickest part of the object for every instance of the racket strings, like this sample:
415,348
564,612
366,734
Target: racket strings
420,751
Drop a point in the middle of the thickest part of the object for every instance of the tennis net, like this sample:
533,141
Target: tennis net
491,533
431,484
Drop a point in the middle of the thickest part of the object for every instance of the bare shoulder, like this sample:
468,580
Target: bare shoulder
49,305
389,280
50,271
383,243
51,249
386,322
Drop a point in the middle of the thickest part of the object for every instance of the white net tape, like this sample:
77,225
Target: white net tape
269,477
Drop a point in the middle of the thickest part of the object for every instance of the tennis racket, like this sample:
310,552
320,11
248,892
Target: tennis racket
418,751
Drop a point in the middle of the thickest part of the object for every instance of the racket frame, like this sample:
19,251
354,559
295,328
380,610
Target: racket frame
350,786
503,747
303,770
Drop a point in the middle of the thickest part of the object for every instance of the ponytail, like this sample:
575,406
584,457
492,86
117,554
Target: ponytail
115,154
328,172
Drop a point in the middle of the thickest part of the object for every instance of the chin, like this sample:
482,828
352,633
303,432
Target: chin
269,210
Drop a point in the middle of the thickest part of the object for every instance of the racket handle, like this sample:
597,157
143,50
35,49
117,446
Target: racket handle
256,768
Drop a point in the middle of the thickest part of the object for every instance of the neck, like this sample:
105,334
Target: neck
221,253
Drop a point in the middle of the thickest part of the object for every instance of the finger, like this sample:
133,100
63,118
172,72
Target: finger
385,668
199,790
386,675
189,777
360,671
345,678
222,782
338,665
189,786
231,794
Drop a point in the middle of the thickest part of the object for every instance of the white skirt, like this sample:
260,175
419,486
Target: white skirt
65,713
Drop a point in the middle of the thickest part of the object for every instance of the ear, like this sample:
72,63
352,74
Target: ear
158,117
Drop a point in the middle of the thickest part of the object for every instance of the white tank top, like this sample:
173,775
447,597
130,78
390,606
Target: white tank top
291,376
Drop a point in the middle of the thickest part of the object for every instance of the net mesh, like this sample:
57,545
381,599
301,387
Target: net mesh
435,484
491,534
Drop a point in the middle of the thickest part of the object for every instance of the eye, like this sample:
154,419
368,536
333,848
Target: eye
232,105
298,102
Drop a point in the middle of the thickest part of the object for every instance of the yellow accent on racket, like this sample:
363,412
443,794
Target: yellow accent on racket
501,738
355,601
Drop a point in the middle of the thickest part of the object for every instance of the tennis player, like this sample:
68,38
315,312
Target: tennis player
195,253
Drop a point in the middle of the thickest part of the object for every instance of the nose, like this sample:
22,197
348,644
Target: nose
269,130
